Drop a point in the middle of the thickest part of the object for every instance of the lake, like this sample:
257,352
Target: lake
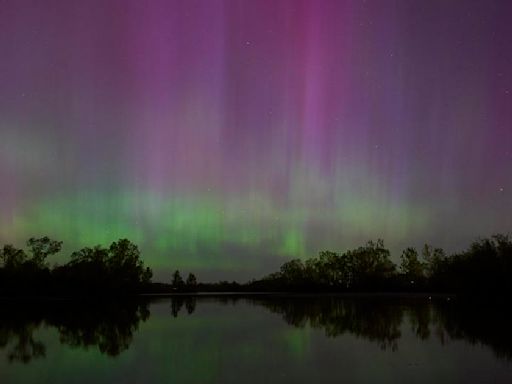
255,339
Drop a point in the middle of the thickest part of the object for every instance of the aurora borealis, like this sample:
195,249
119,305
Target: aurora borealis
225,137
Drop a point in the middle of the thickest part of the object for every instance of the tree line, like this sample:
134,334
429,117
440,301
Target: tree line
484,268
98,270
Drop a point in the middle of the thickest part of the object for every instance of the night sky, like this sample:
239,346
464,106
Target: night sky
225,137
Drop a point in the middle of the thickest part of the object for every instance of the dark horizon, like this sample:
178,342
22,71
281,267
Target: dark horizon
482,270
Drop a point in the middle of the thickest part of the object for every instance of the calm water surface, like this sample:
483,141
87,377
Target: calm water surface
255,340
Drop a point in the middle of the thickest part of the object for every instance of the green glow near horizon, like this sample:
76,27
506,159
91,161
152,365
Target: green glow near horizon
198,231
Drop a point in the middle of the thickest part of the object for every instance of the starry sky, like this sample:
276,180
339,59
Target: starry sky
226,137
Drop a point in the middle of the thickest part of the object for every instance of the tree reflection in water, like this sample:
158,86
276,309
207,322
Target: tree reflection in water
109,326
178,302
372,319
382,319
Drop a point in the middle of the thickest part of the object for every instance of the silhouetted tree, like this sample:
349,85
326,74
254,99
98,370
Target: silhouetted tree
146,276
89,271
433,259
326,269
41,248
191,281
370,265
12,257
177,280
482,269
117,268
96,255
367,267
126,265
293,271
411,266
124,254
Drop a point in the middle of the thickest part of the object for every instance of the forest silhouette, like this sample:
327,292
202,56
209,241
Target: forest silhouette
118,270
483,269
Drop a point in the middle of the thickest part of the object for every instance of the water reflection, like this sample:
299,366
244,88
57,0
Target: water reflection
20,334
480,323
108,326
380,320
178,302
111,327
374,320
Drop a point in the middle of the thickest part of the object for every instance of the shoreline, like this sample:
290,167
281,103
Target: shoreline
269,295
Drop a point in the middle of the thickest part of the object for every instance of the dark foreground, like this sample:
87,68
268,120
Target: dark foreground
256,339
